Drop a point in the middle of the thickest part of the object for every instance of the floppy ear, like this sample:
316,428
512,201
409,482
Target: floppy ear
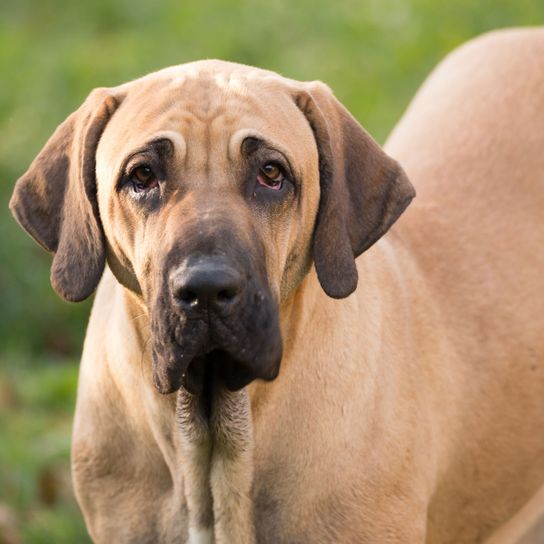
55,200
363,190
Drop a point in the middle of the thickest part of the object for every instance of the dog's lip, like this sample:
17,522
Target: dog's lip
192,379
169,385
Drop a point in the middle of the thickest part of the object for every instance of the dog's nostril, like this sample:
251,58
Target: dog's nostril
226,295
188,297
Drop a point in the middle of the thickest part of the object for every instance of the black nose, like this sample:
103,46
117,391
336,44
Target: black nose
207,285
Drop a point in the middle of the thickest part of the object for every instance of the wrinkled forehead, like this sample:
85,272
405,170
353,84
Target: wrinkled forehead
190,103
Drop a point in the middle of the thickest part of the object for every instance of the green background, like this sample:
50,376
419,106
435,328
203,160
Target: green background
374,54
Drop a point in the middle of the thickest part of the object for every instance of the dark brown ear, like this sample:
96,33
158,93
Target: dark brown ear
363,190
55,200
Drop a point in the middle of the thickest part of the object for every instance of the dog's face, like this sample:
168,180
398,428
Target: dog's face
210,188
207,178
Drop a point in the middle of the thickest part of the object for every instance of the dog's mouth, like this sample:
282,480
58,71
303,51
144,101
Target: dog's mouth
208,372
230,351
216,366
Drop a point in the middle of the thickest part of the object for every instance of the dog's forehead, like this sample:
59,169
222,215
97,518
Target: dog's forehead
226,96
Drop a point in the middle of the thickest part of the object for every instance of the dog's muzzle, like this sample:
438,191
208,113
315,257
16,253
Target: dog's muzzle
214,321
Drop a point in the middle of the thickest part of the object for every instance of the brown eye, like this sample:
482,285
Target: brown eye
143,178
271,175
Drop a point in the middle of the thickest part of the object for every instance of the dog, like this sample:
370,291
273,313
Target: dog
262,364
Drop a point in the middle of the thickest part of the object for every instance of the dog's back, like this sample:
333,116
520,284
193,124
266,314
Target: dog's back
473,144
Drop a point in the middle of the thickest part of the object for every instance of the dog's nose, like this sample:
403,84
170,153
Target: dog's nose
206,285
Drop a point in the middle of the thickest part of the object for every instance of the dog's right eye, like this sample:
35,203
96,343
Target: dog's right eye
143,178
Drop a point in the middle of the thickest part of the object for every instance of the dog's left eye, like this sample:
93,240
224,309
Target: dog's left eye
271,175
143,178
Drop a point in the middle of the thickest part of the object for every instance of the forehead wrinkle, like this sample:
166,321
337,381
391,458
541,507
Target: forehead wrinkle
204,102
175,138
208,139
178,141
237,139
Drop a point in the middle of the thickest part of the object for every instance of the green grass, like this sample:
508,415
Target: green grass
36,401
373,53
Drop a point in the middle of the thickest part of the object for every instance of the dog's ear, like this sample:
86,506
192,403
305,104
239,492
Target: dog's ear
55,200
363,190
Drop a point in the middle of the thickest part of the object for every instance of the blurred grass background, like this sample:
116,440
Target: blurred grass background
374,54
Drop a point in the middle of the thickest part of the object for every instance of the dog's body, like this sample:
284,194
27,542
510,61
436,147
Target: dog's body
471,142
409,412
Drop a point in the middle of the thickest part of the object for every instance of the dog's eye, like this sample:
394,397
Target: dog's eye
271,175
143,178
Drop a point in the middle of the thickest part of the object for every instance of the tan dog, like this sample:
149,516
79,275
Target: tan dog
411,411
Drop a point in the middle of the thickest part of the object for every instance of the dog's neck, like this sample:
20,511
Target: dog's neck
213,460
216,451
218,466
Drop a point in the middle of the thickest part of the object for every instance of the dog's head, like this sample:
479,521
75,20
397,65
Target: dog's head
210,188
